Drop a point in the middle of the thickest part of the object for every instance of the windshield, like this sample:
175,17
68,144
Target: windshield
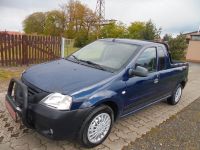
106,54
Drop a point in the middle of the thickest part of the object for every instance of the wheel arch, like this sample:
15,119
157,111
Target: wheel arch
183,83
109,98
113,106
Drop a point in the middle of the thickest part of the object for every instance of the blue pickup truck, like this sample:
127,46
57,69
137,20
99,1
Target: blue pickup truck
81,96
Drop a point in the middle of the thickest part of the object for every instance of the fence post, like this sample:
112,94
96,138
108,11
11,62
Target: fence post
62,47
1,50
24,50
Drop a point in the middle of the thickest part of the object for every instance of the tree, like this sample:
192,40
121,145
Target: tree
136,30
82,39
79,18
144,30
77,21
113,30
151,32
177,47
81,22
72,18
167,37
75,12
54,23
34,23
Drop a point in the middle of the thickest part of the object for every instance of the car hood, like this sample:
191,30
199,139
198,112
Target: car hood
63,76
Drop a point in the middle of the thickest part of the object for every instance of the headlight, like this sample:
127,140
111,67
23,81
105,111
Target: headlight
58,101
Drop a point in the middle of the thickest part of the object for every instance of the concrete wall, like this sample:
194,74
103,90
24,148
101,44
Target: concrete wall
193,53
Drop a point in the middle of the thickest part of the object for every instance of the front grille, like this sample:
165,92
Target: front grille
32,91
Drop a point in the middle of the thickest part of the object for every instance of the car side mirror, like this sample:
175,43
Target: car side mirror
138,71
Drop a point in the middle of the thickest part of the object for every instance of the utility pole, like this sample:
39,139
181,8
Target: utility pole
100,12
100,9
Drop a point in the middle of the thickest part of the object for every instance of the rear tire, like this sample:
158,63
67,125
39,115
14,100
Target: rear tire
175,98
96,127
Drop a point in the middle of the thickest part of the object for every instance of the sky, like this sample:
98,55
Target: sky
173,16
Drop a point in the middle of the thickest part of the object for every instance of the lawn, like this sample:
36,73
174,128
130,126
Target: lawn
6,73
70,50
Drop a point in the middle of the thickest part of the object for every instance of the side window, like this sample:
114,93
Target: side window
161,59
148,59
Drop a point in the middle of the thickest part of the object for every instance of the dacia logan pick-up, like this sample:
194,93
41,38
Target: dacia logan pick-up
82,95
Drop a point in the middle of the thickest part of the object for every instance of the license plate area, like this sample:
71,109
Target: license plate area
11,111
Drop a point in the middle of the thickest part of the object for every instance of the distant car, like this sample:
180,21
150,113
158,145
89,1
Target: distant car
82,95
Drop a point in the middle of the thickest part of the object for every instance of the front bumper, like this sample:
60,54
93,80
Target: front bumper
49,122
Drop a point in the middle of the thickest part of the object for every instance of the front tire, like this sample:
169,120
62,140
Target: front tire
96,127
175,98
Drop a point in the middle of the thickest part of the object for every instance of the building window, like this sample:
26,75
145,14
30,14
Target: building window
196,37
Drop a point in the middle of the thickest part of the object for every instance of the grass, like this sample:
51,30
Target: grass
70,50
6,73
9,72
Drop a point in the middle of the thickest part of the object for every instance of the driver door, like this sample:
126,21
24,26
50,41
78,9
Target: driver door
142,90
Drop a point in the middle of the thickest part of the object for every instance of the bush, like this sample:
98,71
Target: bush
177,47
82,39
113,30
144,30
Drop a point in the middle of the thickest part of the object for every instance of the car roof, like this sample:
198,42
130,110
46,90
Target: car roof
131,41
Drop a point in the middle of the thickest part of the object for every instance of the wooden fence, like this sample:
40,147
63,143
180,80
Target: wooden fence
27,49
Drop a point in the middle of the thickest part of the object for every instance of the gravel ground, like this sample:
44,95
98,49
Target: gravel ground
180,132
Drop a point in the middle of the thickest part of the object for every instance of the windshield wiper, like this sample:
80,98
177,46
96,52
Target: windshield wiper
89,62
74,57
93,64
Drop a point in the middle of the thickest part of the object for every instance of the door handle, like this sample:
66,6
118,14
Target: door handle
156,81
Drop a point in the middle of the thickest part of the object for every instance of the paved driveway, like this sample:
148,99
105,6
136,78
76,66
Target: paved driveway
127,130
180,132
